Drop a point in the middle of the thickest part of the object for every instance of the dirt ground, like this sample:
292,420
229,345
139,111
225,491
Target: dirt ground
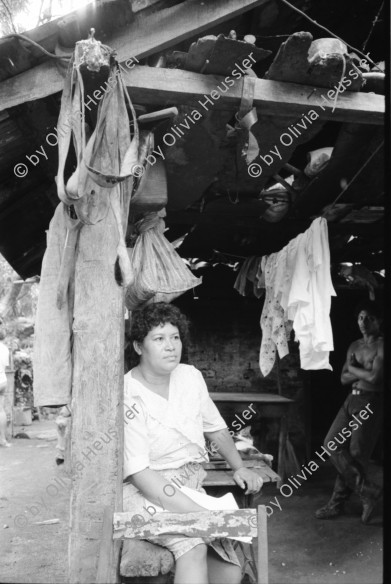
302,549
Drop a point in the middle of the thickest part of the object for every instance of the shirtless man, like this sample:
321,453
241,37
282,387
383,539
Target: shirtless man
363,370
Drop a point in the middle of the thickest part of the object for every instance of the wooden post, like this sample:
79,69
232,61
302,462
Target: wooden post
282,440
263,568
105,560
97,399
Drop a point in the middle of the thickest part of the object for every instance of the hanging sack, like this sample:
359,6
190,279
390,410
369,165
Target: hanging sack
159,271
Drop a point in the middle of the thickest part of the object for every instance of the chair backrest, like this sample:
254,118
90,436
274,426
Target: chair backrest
241,522
238,523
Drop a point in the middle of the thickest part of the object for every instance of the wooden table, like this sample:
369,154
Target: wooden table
220,478
268,405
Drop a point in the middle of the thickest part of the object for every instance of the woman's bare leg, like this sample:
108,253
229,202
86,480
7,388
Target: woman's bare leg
220,571
191,568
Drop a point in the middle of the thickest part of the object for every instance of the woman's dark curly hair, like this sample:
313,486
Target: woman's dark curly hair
146,318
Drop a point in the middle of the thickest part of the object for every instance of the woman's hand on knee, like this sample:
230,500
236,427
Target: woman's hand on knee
246,477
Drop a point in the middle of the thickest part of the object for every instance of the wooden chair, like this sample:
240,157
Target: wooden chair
241,522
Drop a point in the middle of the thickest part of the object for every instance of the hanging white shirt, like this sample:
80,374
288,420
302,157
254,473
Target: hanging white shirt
298,290
309,300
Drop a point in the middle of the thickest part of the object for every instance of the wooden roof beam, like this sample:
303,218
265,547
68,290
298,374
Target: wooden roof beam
144,36
163,87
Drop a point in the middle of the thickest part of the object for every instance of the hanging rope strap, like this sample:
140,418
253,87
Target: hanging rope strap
330,33
345,188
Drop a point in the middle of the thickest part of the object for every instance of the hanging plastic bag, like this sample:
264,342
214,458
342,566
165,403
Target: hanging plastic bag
160,273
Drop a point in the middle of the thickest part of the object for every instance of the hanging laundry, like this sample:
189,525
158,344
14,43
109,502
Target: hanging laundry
52,360
96,195
309,300
250,272
275,327
298,295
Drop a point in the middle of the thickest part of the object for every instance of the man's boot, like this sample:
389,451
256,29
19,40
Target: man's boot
329,511
369,494
335,506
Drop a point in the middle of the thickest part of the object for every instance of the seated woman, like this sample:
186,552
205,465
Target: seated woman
170,412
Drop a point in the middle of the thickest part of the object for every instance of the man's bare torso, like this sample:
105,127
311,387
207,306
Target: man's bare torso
365,355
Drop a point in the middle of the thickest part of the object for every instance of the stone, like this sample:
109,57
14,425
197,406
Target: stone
142,558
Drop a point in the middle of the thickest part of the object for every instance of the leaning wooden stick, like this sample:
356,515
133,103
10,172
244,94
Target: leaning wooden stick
68,259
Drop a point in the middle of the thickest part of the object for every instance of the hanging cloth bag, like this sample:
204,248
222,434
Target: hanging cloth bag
160,273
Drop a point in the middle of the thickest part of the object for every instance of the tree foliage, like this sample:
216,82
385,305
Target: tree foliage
16,300
9,10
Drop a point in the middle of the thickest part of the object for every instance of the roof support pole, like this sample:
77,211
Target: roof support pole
97,398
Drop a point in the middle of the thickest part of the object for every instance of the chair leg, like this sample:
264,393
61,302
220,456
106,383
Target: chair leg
262,551
256,554
107,573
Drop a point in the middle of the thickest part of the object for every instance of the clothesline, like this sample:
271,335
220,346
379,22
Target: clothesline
230,255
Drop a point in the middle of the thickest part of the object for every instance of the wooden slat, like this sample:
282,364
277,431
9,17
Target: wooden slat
241,522
219,478
224,478
34,84
259,466
262,555
275,98
269,472
163,87
262,398
138,5
223,465
105,550
364,215
165,28
144,36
